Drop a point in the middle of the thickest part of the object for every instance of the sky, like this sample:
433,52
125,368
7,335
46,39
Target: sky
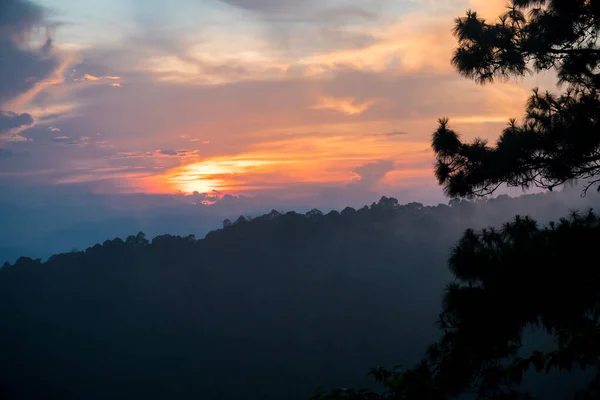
282,98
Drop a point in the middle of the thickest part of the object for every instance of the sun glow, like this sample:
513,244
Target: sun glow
213,174
301,161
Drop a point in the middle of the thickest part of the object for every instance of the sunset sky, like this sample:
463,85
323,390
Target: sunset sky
289,98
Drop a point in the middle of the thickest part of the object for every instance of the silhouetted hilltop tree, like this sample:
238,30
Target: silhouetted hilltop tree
558,140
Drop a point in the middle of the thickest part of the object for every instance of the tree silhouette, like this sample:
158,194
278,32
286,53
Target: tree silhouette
521,276
278,305
558,140
508,280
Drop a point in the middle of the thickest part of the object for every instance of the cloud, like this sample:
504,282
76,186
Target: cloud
23,64
399,59
182,153
390,134
187,153
265,40
82,141
148,155
53,129
25,99
280,127
12,124
206,198
29,64
94,78
281,40
61,139
313,160
371,173
17,17
120,176
307,10
345,105
194,140
88,77
10,120
168,152
267,6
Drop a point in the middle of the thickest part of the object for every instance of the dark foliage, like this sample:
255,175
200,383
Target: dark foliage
509,281
558,140
276,304
265,308
520,277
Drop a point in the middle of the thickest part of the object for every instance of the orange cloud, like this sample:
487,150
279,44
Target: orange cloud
345,105
103,174
274,164
264,144
24,99
414,41
89,77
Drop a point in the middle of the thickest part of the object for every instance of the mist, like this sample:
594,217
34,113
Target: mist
266,305
39,222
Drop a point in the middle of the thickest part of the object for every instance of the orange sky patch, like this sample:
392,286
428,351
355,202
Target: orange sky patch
345,105
238,111
293,160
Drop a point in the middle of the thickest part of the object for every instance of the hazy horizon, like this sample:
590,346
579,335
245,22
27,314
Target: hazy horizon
44,224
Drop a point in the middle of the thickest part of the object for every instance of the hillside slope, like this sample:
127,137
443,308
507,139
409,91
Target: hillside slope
264,309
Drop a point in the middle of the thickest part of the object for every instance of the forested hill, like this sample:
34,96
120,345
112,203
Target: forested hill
268,308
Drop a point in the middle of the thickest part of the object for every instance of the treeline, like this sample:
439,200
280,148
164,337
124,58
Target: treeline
266,308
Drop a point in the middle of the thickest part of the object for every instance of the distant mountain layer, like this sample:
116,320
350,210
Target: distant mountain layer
267,308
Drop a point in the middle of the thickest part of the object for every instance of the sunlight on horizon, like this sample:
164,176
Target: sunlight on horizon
210,175
247,99
304,160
